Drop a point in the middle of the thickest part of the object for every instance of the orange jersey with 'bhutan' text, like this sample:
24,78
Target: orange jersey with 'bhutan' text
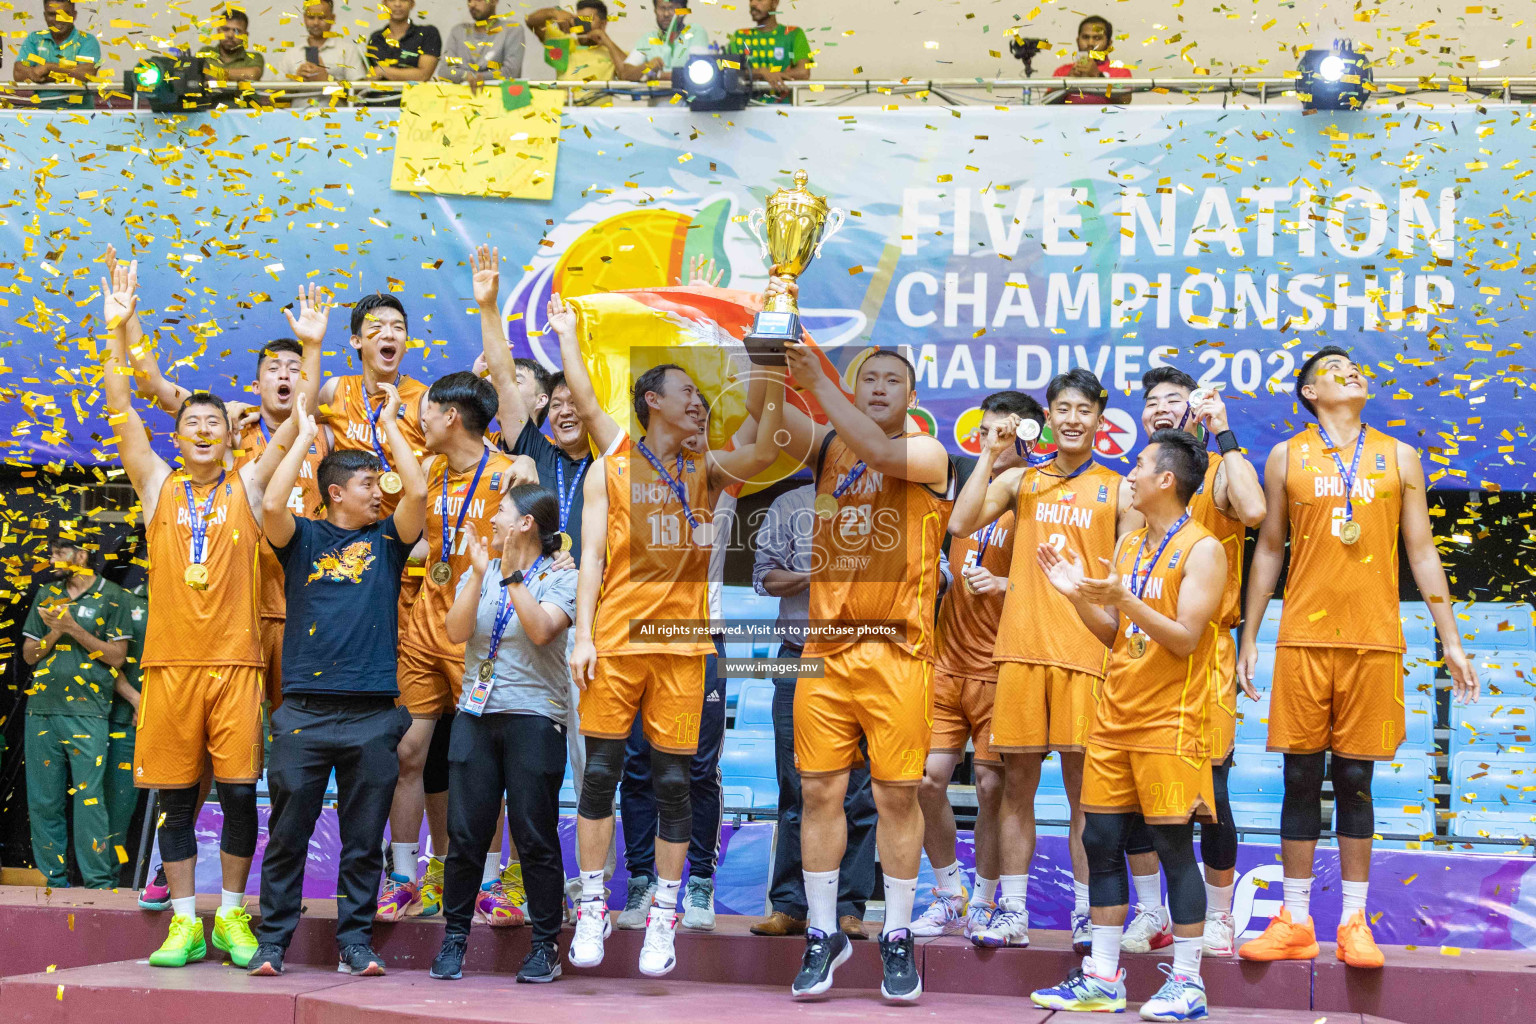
349,414
304,501
968,622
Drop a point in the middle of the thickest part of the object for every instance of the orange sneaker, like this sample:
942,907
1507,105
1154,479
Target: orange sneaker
1283,940
1357,946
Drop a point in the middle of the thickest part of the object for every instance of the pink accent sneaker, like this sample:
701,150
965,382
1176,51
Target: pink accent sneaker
395,898
156,894
495,907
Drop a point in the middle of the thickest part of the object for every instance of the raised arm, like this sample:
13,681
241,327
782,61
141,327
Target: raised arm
538,22
603,428
276,517
746,462
146,470
511,410
411,512
983,499
1429,573
589,582
1239,494
1268,558
309,328
256,475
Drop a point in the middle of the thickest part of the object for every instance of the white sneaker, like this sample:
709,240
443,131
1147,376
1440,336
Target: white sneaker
1220,932
1082,934
1008,927
659,955
978,916
593,925
1180,998
1151,929
944,916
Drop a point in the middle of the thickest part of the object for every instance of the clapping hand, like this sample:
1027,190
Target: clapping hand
479,557
1065,574
1108,592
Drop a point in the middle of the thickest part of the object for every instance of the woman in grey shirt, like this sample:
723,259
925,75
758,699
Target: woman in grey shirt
511,614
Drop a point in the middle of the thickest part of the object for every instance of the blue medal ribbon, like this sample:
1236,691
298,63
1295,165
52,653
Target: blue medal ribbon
676,483
1139,581
485,456
1354,468
373,423
849,480
198,520
568,498
505,612
986,540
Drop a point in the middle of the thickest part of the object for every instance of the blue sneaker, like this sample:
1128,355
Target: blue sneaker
1180,998
1084,991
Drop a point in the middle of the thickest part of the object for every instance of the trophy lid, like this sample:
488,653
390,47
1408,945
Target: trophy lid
799,194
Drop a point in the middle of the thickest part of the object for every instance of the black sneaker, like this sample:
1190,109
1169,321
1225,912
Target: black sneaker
901,983
449,965
541,965
360,959
268,961
824,954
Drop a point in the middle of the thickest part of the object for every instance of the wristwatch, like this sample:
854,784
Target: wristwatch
516,577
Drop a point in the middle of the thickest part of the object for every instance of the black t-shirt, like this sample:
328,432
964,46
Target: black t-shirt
343,587
407,51
550,459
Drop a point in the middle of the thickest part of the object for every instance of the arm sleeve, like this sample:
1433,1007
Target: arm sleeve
1065,71
301,528
431,41
772,551
562,592
27,50
90,49
530,441
639,55
33,628
454,65
400,551
114,621
1114,72
800,46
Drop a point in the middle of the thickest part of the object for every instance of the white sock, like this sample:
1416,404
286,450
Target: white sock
1186,955
1218,899
229,899
592,885
1149,890
1079,897
666,892
1015,891
821,900
950,879
492,868
403,857
1354,898
986,889
1106,950
185,906
899,894
1298,899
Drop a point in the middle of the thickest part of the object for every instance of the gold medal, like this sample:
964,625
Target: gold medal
1349,531
487,670
826,506
196,576
565,541
440,573
390,482
1137,646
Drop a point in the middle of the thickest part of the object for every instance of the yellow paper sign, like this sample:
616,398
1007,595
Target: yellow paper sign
453,141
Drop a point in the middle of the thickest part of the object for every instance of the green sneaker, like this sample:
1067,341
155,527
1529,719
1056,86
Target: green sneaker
185,942
232,934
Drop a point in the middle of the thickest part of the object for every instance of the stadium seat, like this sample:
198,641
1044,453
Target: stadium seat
739,603
1494,781
1051,798
1496,626
1474,822
754,708
1418,629
1269,626
1491,726
1255,787
1264,671
1419,716
747,771
1507,673
1253,721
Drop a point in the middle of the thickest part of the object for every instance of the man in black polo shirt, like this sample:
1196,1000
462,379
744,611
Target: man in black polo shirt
338,712
401,51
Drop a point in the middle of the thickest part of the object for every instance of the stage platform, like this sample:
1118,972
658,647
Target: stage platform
77,957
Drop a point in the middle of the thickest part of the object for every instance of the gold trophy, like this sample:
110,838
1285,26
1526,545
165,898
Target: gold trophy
791,229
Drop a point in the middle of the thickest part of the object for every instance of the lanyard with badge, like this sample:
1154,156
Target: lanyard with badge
441,572
196,574
703,536
485,677
568,497
1138,640
1349,530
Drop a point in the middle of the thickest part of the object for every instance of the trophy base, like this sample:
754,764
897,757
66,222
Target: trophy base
771,331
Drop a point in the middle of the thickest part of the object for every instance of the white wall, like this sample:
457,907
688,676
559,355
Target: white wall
947,38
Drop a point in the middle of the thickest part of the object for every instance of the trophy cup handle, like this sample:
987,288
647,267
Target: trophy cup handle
833,225
756,223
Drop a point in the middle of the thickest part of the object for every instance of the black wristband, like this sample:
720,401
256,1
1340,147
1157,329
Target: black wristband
516,577
1227,442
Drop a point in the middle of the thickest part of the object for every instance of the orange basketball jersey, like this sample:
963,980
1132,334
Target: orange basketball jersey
1337,594
1158,702
1231,532
349,417
968,622
216,626
877,558
1039,626
304,501
656,568
424,624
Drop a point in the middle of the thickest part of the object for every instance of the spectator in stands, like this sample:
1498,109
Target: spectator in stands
669,48
577,46
1095,40
229,60
324,57
76,637
777,53
403,51
62,53
486,48
782,569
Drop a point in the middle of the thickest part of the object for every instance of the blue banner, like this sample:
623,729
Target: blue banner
1000,246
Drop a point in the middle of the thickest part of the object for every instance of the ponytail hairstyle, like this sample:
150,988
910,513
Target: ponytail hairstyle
541,503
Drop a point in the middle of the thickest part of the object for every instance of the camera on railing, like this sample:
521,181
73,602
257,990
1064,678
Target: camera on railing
1026,49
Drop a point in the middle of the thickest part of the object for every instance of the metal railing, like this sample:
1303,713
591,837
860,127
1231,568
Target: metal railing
949,91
